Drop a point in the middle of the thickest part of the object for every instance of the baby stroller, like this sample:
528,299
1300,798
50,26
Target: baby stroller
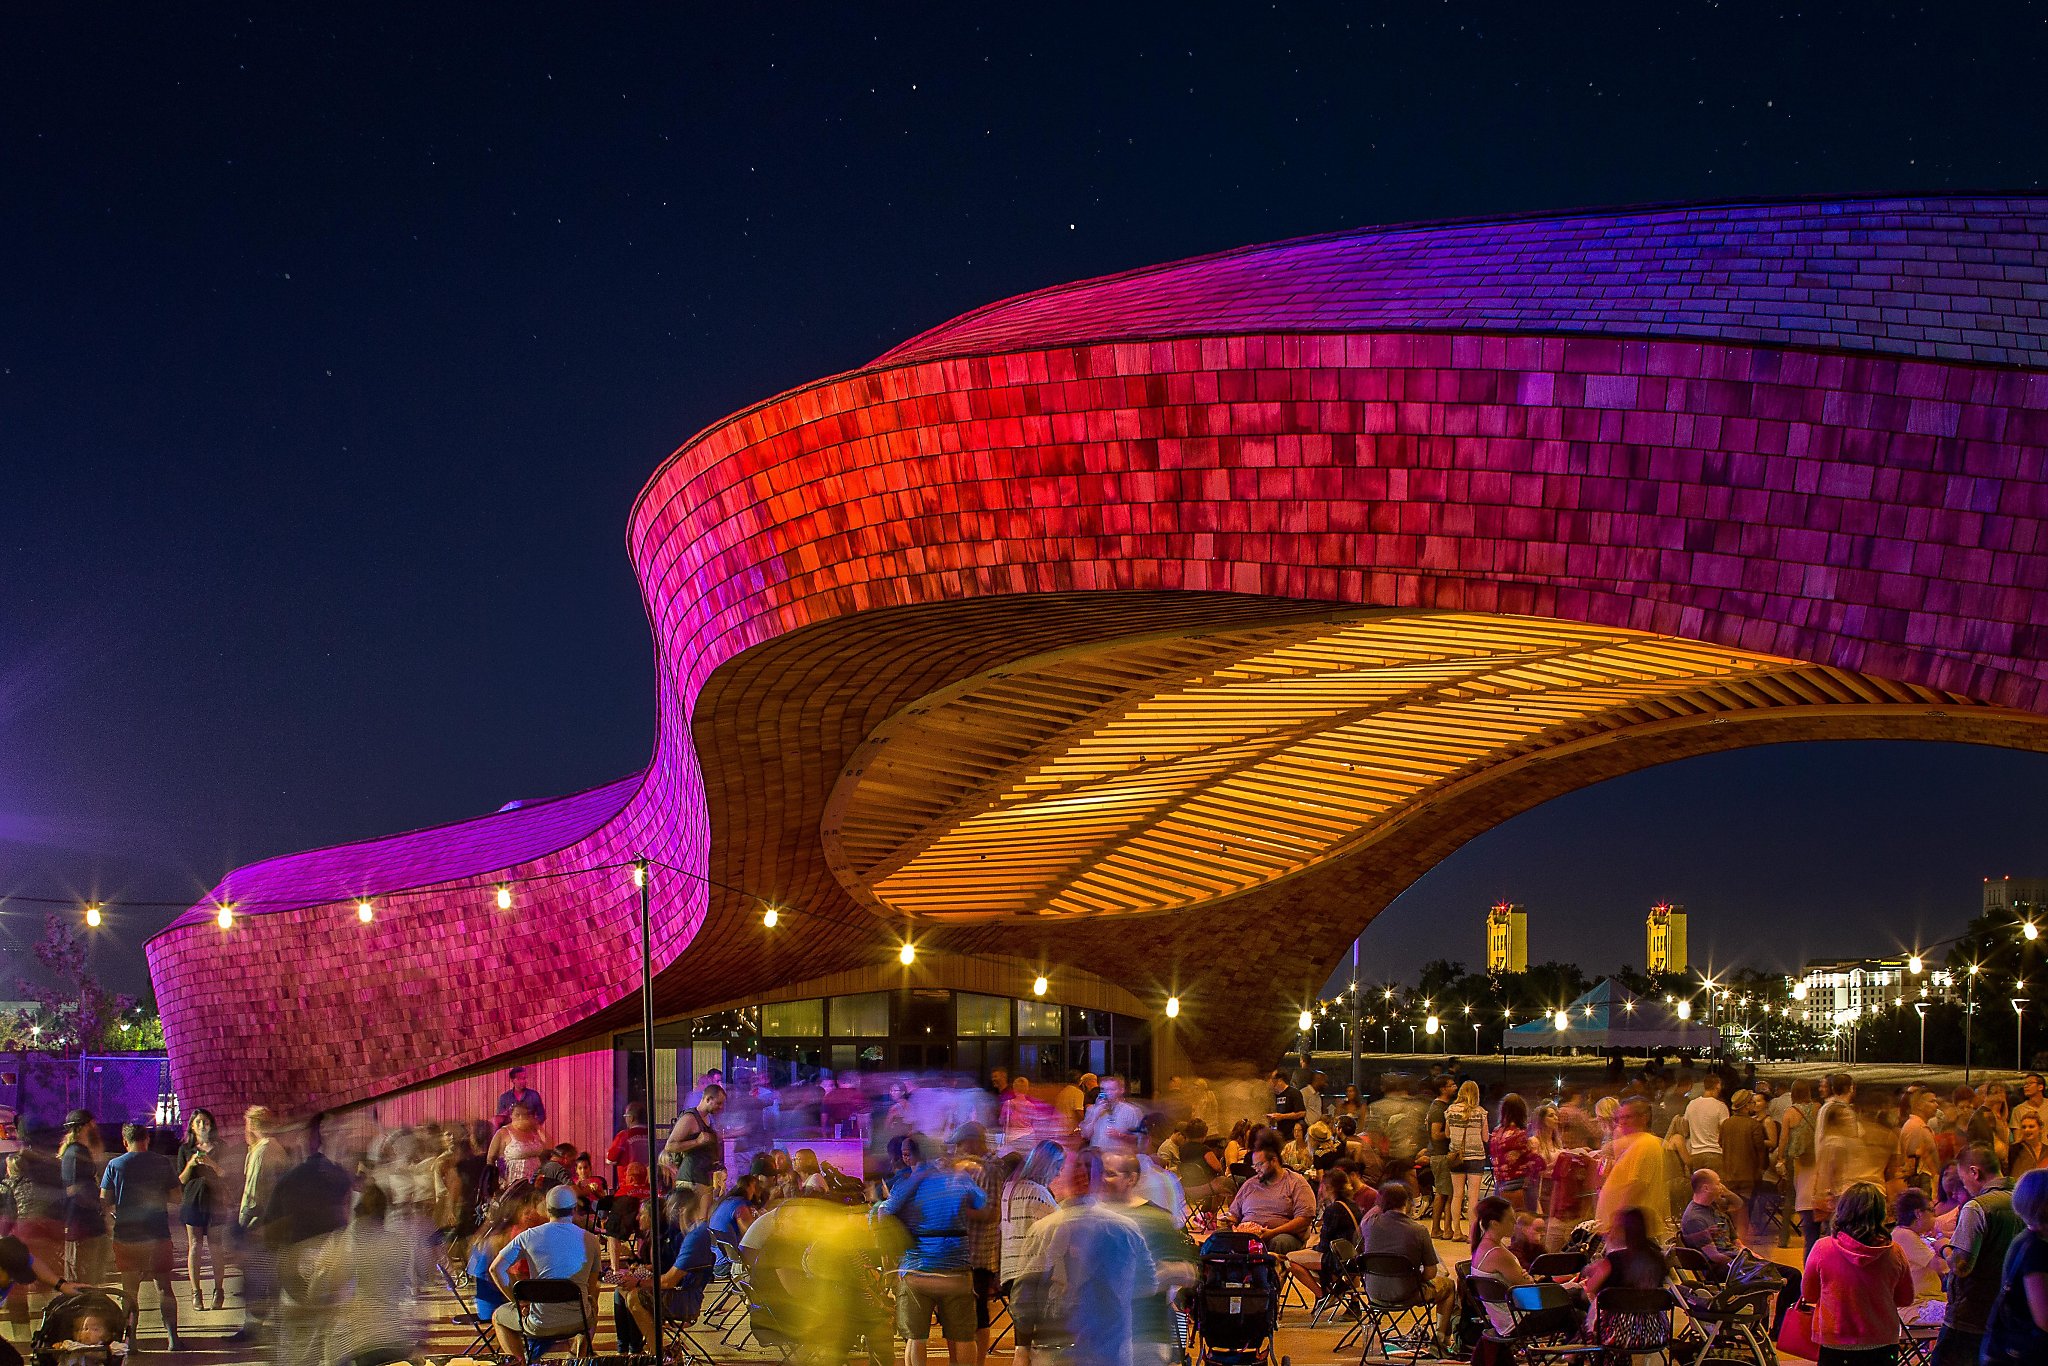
1236,1302
89,1326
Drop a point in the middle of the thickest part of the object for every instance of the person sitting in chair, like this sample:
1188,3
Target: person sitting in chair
558,1250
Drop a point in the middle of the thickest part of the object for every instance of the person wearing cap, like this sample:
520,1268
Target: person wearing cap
558,1250
519,1093
85,1219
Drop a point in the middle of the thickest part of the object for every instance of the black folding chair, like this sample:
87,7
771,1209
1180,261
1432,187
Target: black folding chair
1536,1330
1556,1266
1397,1311
483,1343
1338,1295
541,1290
1632,1324
681,1310
1734,1323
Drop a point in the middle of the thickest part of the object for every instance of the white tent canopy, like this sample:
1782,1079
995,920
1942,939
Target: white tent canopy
1611,1016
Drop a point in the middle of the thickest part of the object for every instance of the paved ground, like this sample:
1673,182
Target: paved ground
207,1341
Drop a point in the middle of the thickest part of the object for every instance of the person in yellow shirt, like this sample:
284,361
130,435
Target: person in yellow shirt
1636,1178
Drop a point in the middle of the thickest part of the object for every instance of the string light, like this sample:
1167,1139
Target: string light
1685,1010
365,912
771,917
2030,930
907,954
1915,966
1562,1021
92,916
1431,1025
1173,1007
1306,1021
225,918
1038,985
504,897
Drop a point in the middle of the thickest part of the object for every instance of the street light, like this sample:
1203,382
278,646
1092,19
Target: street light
1970,1021
1920,1009
2019,1027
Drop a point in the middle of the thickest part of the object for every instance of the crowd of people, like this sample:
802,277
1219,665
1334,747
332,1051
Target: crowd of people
1073,1209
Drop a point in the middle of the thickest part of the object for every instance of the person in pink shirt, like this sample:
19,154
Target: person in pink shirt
1857,1282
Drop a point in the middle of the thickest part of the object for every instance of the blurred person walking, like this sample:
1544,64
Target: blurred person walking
85,1220
1086,1268
1153,1336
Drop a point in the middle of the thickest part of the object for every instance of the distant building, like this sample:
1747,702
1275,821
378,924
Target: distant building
1830,990
2022,898
1665,927
1507,938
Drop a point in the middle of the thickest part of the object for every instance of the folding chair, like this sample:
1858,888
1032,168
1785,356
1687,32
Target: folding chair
1735,1323
681,1310
537,1291
1339,1293
1556,1266
1538,1330
1397,1310
732,1293
484,1343
999,1320
1632,1324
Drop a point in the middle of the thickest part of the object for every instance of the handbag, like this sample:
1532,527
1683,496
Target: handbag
1795,1337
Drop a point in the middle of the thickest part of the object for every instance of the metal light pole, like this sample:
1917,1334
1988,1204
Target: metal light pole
1920,1009
641,876
1969,1023
2019,1030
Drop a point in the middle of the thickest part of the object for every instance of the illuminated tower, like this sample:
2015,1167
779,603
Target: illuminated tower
1507,938
1666,951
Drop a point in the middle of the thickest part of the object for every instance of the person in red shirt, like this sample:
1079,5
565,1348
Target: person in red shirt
1857,1281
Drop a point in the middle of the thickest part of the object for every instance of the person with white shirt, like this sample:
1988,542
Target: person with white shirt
1704,1115
1112,1119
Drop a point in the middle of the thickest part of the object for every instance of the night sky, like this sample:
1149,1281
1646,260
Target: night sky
333,348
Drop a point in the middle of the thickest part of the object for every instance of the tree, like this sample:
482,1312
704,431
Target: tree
73,1012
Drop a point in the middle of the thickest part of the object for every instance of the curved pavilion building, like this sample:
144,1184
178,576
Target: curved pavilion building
1152,633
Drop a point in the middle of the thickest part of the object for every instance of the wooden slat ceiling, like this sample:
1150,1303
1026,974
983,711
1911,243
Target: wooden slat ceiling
1167,772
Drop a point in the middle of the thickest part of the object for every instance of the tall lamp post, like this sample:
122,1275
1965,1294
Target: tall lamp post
645,881
1969,1022
1920,1009
2019,1028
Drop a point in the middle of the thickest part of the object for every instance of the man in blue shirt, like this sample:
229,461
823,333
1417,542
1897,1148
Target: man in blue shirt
139,1187
935,1203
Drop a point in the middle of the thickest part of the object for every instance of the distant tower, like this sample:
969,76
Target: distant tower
1507,938
1666,952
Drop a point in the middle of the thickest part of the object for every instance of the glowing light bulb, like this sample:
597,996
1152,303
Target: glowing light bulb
365,912
1430,1025
1562,1021
1038,985
1173,1007
2031,930
771,917
224,918
1915,966
639,875
1685,1010
504,898
92,916
1306,1021
907,954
